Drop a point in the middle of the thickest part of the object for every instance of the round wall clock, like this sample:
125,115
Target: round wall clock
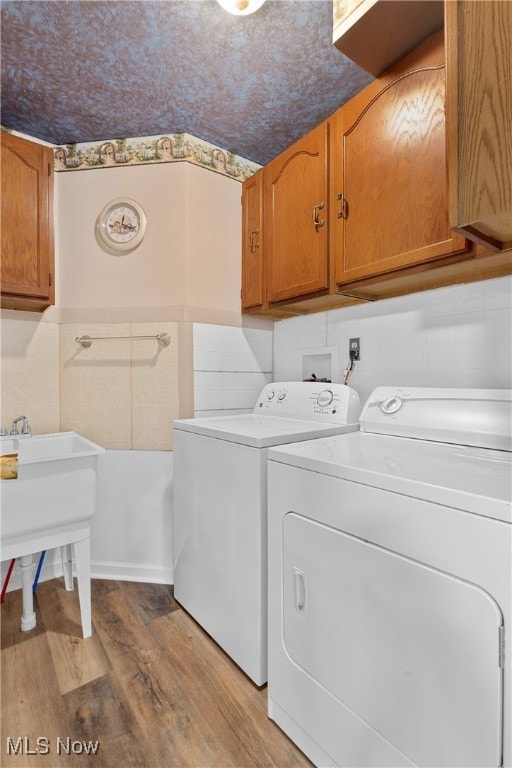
121,225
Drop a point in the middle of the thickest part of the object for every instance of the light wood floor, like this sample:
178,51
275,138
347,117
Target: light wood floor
149,685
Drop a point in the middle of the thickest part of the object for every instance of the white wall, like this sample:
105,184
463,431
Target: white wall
131,532
187,268
214,242
188,263
153,274
460,336
190,256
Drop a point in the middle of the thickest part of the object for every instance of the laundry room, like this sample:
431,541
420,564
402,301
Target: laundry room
256,362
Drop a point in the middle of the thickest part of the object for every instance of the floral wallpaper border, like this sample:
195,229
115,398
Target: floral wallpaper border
144,150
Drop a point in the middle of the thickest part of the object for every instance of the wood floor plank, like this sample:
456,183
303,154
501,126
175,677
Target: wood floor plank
100,587
31,702
76,660
238,709
151,685
149,600
168,696
214,717
100,712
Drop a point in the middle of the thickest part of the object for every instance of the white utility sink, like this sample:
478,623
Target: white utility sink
56,484
60,445
50,505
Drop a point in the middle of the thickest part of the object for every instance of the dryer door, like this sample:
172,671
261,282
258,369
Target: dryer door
409,649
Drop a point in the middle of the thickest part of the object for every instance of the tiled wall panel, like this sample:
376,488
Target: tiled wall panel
120,393
30,371
231,366
460,336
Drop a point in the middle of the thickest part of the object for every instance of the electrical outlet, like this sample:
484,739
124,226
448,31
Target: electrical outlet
354,349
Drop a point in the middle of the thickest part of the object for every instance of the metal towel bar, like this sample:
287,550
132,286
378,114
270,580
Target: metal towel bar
86,341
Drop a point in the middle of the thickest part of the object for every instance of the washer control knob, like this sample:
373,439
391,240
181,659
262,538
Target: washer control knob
282,395
271,394
325,398
391,405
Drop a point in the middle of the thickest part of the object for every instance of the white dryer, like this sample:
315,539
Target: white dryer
220,508
390,617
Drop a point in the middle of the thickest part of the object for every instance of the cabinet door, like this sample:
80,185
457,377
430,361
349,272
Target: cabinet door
27,226
253,286
389,171
479,114
296,218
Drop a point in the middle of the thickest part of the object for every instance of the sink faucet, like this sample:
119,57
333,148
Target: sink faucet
25,429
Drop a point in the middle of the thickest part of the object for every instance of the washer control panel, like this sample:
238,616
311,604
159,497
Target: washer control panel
325,398
276,394
310,400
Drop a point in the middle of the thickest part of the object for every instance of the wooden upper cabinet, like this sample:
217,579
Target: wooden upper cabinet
375,34
27,256
479,119
388,170
296,201
253,265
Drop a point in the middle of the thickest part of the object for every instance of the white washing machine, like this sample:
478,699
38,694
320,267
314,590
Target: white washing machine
390,584
220,508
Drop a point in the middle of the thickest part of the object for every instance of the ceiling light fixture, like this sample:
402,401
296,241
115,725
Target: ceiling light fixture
241,7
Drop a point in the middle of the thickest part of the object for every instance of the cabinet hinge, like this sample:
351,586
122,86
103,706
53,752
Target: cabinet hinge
50,279
49,169
501,647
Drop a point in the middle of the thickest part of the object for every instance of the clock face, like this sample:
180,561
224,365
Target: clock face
121,225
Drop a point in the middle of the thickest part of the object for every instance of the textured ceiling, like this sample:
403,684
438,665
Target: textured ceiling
86,70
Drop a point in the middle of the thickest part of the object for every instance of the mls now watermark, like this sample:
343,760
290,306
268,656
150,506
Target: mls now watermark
42,745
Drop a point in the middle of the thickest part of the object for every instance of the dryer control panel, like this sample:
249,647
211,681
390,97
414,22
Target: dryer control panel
479,417
313,400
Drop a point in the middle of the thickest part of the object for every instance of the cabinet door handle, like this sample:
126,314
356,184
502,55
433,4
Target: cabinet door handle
316,221
252,240
343,211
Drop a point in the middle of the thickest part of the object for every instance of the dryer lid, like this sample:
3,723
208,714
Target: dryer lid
463,477
477,417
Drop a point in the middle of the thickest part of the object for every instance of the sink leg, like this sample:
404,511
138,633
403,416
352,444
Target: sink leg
28,618
67,566
83,577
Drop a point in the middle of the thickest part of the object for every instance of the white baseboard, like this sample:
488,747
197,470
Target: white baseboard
154,574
